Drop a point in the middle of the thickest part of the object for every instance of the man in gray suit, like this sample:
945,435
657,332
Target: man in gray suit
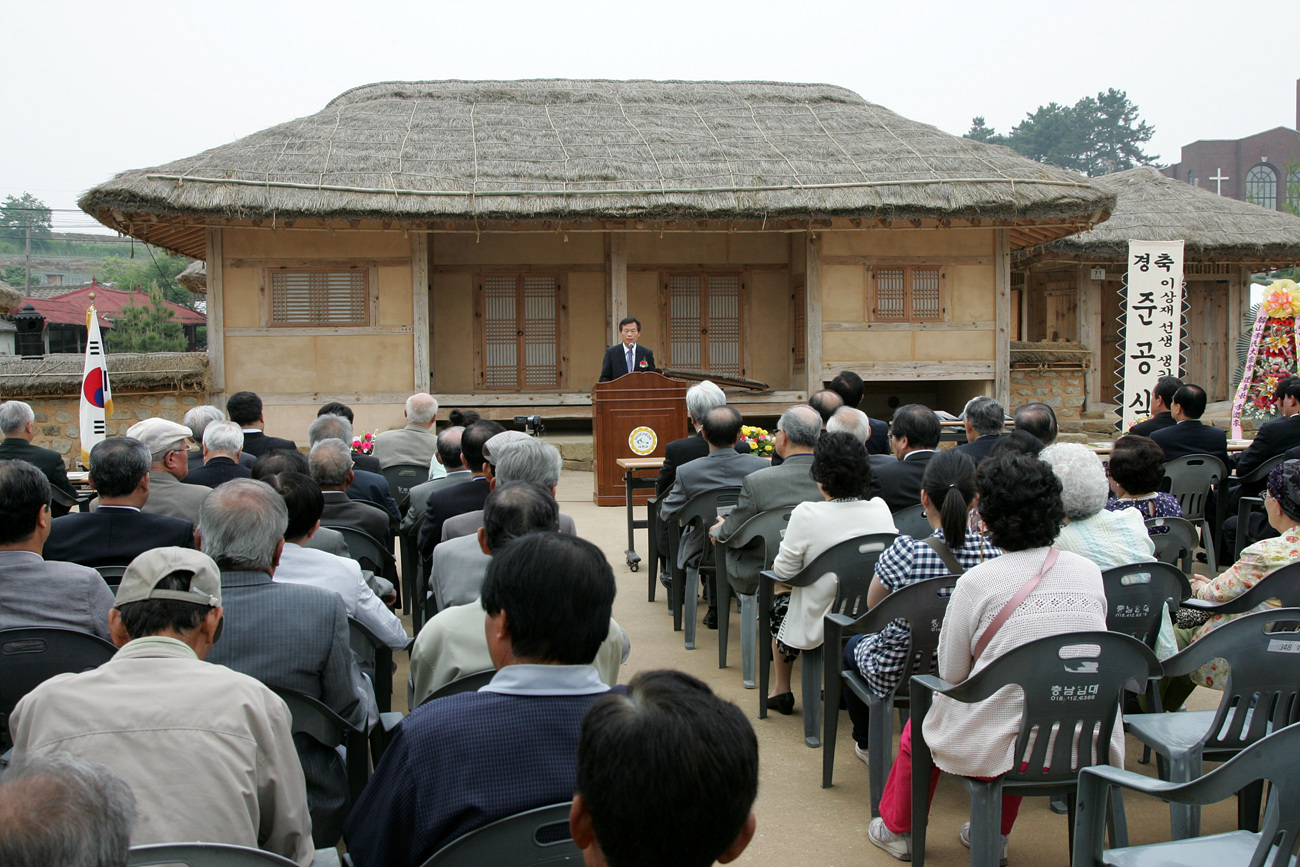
511,456
771,488
288,636
168,444
415,443
448,456
35,591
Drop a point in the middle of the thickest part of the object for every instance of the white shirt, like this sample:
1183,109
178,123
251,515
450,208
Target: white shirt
299,565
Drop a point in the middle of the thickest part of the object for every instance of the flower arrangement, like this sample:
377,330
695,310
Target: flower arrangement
1137,421
758,441
1271,356
364,444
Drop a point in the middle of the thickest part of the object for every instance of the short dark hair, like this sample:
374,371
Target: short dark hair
302,498
918,423
244,407
722,425
448,445
840,465
1038,419
279,461
463,417
704,795
848,385
1288,386
1020,501
1017,442
629,320
949,482
825,402
1137,464
473,439
336,408
1166,388
557,592
23,491
516,509
1192,400
152,616
118,464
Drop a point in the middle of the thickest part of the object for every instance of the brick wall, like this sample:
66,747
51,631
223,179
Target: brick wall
1060,388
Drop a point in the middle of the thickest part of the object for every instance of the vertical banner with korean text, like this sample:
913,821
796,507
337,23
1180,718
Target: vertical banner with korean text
1152,324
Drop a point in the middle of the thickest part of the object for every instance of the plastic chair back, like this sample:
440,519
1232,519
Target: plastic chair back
1281,584
702,510
204,855
29,656
465,683
1190,479
376,662
369,552
1136,596
854,565
1177,543
401,478
112,576
767,528
529,839
911,521
313,719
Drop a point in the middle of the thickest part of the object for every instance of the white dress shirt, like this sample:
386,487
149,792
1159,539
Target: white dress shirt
299,565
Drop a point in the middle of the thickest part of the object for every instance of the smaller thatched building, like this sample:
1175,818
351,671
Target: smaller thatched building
1069,289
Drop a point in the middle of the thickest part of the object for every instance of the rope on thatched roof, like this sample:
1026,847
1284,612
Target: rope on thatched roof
61,374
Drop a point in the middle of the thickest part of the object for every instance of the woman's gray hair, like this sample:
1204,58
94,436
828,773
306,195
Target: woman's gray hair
703,397
14,416
198,419
224,437
65,810
530,460
853,422
329,427
241,523
330,461
1084,488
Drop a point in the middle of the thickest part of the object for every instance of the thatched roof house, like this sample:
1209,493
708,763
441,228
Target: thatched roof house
483,238
1071,285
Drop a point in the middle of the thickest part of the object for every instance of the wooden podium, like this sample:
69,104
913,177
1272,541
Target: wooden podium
633,416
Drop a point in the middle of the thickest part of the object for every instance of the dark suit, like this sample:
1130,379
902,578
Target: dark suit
878,442
1271,440
720,468
216,471
676,453
368,463
373,488
446,503
898,482
615,364
196,460
342,511
979,449
769,488
1190,437
114,536
48,461
257,443
1159,421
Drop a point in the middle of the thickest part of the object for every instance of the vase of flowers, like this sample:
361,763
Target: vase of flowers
758,441
364,444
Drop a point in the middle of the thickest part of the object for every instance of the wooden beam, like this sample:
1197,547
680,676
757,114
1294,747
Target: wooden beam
910,370
978,325
1088,298
216,317
616,281
420,310
813,316
907,260
1002,315
359,262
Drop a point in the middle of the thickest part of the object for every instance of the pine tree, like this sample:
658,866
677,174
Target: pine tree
147,328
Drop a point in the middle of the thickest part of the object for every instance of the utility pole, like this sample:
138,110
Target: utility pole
27,280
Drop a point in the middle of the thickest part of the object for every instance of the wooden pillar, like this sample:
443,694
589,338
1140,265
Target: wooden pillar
1002,316
216,317
420,310
616,282
1238,306
813,316
1089,305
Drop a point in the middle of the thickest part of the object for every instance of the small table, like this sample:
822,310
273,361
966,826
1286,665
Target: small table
634,481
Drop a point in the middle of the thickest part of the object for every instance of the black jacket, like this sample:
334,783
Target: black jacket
898,482
1159,421
216,471
615,364
114,536
1191,437
446,503
48,461
257,443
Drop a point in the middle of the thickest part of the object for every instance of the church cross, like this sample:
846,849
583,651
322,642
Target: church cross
1218,179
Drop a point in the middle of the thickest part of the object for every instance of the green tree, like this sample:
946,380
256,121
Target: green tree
147,328
980,131
15,275
19,212
143,270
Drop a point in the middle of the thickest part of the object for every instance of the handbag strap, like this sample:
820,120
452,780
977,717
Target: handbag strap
945,554
1007,610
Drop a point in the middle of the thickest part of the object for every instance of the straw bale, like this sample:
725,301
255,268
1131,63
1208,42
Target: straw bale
128,371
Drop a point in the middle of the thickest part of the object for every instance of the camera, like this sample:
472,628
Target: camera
532,424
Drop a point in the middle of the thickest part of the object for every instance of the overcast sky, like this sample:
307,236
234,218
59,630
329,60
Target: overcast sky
94,88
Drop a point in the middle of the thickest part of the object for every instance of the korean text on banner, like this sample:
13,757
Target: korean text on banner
96,397
1153,323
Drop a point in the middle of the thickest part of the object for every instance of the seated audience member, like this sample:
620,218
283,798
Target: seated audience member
1136,469
947,493
331,468
1020,503
1108,539
467,496
207,751
628,795
825,402
841,471
245,410
896,478
1189,436
1038,420
370,487
223,446
35,591
368,463
197,420
1017,442
59,810
848,385
18,424
447,456
461,418
474,749
701,398
452,643
1162,399
512,456
118,531
417,442
288,636
168,447
852,421
1276,436
984,419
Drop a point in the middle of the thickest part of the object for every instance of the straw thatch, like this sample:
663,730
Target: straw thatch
9,296
194,279
1152,207
1050,352
128,371
411,153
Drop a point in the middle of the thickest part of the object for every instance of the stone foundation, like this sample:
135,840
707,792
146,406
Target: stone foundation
58,424
1061,388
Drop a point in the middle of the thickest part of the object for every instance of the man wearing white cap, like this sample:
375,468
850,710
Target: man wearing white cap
169,449
208,752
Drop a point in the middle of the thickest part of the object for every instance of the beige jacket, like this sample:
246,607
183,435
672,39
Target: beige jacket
169,496
207,751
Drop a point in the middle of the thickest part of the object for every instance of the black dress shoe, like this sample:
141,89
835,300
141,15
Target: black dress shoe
666,579
782,704
711,618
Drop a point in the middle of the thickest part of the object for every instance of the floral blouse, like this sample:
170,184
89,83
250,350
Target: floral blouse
1159,505
1256,561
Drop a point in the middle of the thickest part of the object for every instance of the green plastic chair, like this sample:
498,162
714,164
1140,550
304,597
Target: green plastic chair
767,528
701,509
204,855
1191,478
912,521
529,839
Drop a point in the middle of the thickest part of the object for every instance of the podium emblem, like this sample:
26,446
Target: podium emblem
642,440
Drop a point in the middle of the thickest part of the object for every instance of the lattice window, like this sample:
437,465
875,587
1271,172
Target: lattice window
704,323
909,293
1293,191
1261,187
520,331
318,297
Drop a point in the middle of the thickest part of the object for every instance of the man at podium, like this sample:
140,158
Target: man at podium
627,356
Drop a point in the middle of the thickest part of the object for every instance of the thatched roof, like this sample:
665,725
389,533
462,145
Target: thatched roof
1152,207
483,153
1050,352
9,296
127,371
194,279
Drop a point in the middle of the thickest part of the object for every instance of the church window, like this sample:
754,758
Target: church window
310,296
1261,187
519,319
1293,191
908,293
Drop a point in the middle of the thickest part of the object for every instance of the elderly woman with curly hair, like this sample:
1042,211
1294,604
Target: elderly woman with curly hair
1137,467
842,472
1108,539
1020,504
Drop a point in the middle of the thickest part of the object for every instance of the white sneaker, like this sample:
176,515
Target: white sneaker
861,754
965,841
897,846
